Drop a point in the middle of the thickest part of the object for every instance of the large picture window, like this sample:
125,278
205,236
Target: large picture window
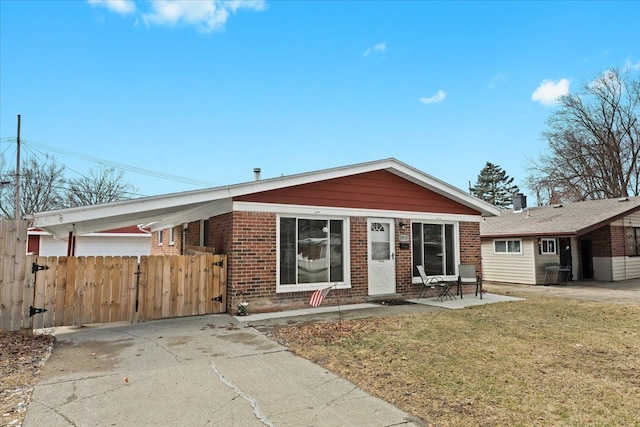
434,248
311,251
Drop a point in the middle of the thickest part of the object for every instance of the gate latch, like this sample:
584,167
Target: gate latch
33,310
218,298
218,263
35,267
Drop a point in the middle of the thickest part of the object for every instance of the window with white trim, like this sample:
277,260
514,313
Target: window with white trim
172,236
160,237
548,246
507,246
311,251
434,247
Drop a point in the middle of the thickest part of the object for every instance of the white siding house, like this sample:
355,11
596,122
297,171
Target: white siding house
129,241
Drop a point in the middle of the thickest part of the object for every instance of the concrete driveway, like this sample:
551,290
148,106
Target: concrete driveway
622,292
195,371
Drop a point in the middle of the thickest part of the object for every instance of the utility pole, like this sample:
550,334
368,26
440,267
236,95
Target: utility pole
17,201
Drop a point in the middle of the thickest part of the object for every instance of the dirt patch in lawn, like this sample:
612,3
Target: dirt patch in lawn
21,360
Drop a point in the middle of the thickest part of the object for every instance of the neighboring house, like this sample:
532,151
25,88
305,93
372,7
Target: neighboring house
361,228
125,241
598,239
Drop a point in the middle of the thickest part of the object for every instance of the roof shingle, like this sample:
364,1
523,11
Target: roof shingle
574,218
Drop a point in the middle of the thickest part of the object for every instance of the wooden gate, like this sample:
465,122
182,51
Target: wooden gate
84,290
13,241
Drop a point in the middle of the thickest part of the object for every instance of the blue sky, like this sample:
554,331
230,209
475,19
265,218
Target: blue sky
209,90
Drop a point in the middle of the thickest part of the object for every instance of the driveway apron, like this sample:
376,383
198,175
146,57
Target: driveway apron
195,371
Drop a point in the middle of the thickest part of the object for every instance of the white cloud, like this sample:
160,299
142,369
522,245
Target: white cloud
550,91
628,65
380,47
209,15
435,99
495,80
123,7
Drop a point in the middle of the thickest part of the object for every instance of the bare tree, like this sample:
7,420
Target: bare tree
594,141
41,187
103,185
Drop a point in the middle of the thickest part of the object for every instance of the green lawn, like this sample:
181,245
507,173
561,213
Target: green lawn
543,361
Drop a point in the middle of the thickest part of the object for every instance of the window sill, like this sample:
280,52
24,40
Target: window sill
284,289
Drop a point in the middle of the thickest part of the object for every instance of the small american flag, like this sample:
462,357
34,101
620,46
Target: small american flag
318,296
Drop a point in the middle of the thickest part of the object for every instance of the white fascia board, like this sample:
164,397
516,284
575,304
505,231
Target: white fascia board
133,235
116,209
349,212
46,233
427,181
62,230
203,211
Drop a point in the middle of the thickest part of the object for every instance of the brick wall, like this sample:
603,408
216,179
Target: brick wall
192,237
404,267
618,241
470,245
249,240
252,260
165,248
600,241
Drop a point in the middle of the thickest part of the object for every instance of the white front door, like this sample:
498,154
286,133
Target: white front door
382,257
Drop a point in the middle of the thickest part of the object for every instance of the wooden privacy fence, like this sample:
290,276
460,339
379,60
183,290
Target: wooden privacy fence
13,244
84,290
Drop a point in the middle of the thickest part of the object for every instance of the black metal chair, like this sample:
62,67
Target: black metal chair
467,275
442,287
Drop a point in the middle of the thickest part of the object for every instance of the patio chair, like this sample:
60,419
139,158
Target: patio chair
467,275
443,287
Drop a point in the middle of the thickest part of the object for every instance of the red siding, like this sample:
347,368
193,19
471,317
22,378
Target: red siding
372,190
33,245
131,229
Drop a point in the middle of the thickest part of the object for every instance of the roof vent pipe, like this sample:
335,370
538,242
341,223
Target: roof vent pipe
256,174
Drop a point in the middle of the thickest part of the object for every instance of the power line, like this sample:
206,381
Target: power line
128,168
34,153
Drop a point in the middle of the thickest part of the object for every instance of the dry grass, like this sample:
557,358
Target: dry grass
540,362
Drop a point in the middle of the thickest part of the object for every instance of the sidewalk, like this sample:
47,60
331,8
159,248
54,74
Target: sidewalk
264,321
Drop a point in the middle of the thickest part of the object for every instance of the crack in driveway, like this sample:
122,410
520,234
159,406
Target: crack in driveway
256,409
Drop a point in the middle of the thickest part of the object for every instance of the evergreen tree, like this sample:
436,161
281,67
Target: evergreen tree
495,186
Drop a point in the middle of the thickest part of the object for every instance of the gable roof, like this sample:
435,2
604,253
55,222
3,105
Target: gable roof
158,212
569,219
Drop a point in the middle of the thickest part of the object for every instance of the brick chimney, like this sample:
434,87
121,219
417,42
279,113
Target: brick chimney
519,202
